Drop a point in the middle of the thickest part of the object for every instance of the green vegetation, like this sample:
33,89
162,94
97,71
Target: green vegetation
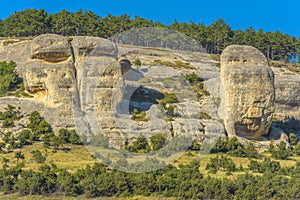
233,147
139,115
144,80
8,77
176,64
279,151
38,156
197,84
185,181
168,98
137,62
139,146
214,37
220,163
157,141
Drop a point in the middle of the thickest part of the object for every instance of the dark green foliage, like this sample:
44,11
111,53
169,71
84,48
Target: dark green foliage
197,84
297,149
140,145
169,98
279,151
137,62
8,77
220,163
266,165
24,137
9,138
234,148
19,155
139,115
214,37
38,126
69,136
182,182
11,113
7,124
38,156
157,141
293,139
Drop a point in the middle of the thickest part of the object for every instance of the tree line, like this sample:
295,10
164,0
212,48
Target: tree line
214,37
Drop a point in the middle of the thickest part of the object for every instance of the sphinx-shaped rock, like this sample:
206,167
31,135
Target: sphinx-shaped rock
247,90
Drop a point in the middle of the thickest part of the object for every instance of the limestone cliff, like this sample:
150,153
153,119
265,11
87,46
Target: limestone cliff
90,82
248,95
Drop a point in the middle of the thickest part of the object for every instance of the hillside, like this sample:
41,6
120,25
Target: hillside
138,109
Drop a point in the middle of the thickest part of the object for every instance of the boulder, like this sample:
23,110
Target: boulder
50,48
247,92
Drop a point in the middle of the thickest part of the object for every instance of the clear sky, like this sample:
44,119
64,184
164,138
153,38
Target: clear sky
269,15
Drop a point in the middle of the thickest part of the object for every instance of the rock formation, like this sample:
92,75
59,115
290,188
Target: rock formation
247,87
87,80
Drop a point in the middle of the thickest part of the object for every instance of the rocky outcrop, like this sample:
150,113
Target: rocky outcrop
89,82
247,92
51,48
287,96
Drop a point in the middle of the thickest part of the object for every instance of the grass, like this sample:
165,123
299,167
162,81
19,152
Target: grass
239,161
176,64
76,158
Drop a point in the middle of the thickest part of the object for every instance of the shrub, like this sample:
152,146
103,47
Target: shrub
38,156
69,136
141,145
279,151
266,165
8,77
7,124
157,141
220,163
139,115
293,139
38,126
137,62
11,113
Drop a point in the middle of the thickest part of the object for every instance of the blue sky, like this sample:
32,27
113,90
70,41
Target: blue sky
240,14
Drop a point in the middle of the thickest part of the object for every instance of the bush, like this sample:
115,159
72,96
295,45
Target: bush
137,62
297,149
69,136
38,126
169,98
141,145
293,139
8,77
266,165
11,113
139,115
7,124
279,151
220,163
38,156
157,141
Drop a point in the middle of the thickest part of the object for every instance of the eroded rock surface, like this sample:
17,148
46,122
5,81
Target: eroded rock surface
89,82
247,90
